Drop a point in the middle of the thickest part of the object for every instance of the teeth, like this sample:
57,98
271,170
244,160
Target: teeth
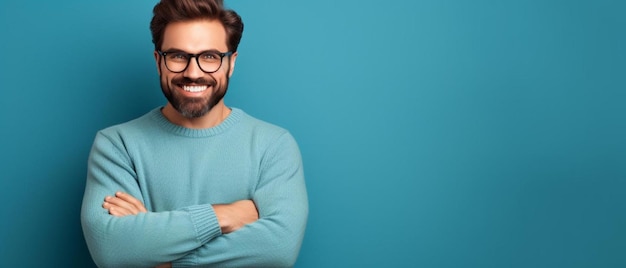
194,88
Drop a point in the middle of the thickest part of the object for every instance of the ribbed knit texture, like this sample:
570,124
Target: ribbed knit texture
203,219
178,173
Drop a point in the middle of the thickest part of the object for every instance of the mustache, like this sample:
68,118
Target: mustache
199,81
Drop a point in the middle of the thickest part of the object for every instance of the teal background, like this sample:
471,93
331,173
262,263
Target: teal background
434,133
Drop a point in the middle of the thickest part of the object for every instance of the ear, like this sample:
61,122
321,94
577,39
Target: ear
233,58
157,59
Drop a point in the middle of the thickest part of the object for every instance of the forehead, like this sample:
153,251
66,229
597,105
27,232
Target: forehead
195,36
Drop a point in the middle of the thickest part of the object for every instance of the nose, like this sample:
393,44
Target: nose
193,71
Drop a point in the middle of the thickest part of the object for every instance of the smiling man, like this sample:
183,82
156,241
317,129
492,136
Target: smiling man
195,182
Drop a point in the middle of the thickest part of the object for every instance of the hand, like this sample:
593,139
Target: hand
123,204
165,265
232,217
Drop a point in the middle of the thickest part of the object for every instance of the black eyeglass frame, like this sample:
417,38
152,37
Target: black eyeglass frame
189,56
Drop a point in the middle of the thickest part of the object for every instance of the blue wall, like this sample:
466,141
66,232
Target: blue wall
434,133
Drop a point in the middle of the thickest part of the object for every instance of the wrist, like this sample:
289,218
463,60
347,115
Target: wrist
221,213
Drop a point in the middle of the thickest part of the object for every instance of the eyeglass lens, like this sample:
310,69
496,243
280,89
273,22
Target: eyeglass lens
208,61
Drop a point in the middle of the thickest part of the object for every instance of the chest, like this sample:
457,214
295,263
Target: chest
174,176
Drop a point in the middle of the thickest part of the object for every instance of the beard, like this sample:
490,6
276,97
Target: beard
194,107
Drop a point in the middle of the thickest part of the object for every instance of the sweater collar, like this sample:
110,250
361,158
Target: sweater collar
234,117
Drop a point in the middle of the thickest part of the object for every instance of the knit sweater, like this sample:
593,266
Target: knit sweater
178,173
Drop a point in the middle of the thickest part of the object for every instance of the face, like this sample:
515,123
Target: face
193,93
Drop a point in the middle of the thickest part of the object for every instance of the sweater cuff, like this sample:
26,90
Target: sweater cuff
207,227
205,221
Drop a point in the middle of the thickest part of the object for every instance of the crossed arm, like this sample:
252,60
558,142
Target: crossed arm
230,217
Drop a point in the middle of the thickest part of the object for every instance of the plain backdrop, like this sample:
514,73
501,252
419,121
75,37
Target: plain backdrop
434,133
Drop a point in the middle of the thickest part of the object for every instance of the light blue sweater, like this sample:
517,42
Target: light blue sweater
178,173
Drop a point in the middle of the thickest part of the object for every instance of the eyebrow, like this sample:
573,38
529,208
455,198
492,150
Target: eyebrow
183,51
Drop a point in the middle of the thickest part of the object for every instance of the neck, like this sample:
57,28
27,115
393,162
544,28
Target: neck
214,117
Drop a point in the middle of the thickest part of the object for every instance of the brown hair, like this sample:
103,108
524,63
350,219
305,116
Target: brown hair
167,11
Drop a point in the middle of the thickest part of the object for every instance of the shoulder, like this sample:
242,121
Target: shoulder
263,133
260,128
131,128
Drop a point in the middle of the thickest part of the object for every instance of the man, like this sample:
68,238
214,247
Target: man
194,183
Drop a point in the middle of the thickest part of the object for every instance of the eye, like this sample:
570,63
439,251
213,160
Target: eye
210,56
177,56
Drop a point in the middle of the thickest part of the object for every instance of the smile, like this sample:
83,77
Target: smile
195,88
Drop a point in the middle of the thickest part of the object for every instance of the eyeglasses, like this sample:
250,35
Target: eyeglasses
208,61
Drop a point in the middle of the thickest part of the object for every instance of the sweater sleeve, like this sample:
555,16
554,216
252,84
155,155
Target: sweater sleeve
275,239
144,240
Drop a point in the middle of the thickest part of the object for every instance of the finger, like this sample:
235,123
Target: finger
118,202
119,211
132,200
115,210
